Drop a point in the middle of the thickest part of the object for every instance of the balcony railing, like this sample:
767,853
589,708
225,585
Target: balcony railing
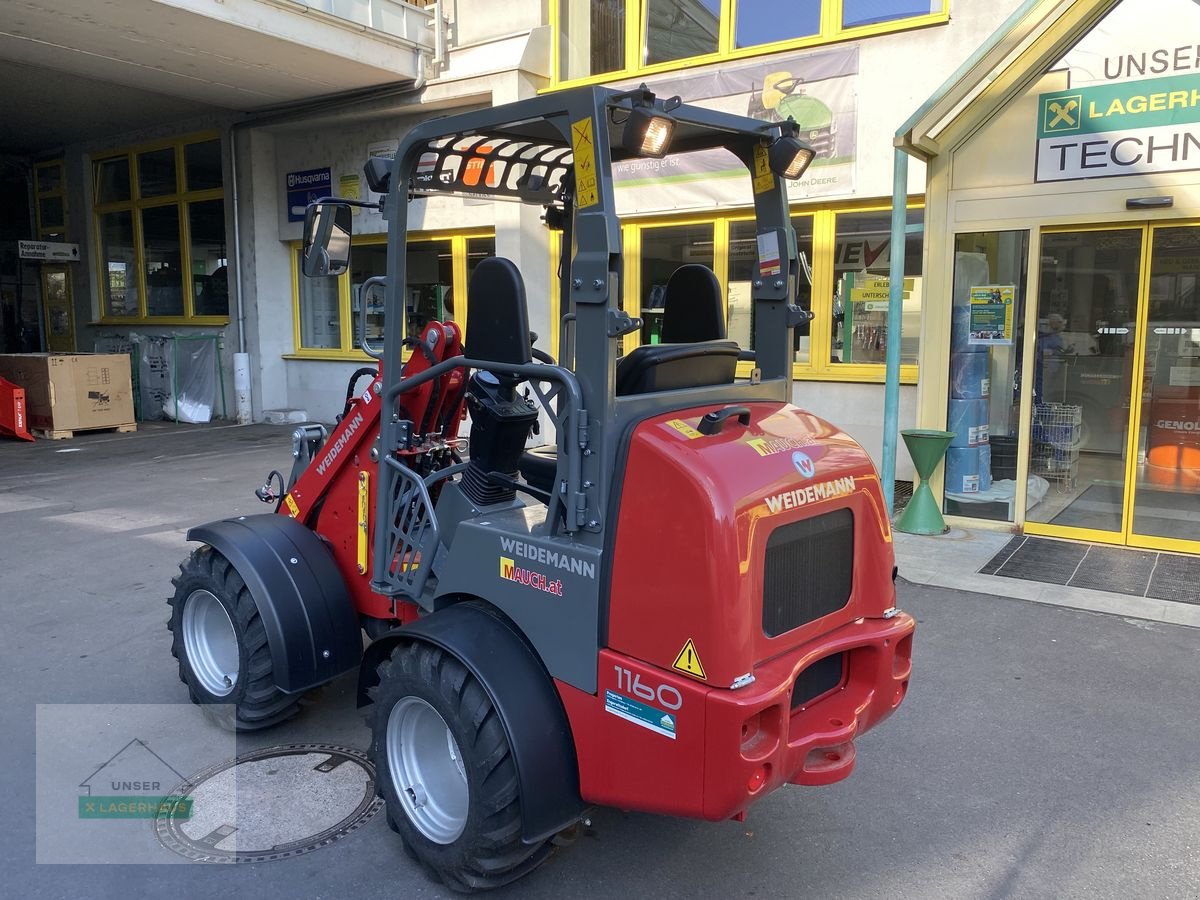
403,20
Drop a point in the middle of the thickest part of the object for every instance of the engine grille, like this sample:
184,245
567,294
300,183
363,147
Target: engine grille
808,571
822,676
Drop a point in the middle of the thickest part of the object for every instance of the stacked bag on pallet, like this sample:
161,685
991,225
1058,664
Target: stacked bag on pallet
968,461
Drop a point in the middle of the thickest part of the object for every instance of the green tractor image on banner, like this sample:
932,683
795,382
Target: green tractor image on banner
783,97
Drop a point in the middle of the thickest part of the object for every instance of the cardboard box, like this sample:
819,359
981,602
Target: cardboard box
72,391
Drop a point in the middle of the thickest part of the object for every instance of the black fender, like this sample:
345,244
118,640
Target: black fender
312,628
522,692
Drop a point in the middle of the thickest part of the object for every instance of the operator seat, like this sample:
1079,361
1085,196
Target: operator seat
695,354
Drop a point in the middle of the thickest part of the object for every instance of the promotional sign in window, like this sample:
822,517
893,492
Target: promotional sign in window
305,187
992,314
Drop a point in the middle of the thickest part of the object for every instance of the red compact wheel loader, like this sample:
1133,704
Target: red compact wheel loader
680,604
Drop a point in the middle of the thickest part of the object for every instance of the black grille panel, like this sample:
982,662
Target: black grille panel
808,571
819,678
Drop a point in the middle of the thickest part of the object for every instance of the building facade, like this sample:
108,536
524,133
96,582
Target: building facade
1062,337
186,208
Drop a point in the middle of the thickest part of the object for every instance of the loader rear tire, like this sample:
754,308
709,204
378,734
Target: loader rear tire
221,645
446,770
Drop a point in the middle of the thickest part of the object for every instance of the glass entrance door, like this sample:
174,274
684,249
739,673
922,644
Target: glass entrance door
1114,436
1166,484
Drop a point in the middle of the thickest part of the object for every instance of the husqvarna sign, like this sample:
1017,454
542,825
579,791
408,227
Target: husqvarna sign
1126,128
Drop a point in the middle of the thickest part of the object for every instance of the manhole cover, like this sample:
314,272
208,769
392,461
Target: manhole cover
271,804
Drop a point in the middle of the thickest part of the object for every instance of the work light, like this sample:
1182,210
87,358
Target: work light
789,157
647,133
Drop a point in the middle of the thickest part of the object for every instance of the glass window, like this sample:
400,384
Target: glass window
50,212
366,262
50,179
478,249
985,374
760,22
678,29
743,266
156,172
210,272
665,249
112,180
162,261
320,320
870,12
861,261
202,163
592,39
116,253
430,276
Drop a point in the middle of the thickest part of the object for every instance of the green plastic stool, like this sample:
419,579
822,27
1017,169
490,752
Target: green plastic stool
926,447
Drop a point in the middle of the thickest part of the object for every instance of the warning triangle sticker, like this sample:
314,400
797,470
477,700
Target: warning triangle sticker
688,661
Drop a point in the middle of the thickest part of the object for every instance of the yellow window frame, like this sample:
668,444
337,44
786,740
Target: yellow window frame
820,365
831,31
349,349
135,205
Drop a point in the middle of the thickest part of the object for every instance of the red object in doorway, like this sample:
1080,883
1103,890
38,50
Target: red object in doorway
1173,458
12,411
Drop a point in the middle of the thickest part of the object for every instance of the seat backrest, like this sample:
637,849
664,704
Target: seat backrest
670,367
692,307
498,313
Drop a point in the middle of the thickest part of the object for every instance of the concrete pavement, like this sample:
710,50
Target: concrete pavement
1041,752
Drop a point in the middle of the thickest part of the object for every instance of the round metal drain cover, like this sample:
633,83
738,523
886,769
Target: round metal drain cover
271,804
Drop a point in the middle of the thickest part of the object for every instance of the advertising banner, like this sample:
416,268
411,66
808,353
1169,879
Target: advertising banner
817,90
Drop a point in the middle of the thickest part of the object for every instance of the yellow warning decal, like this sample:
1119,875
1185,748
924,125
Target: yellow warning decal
763,179
584,149
684,428
688,661
293,509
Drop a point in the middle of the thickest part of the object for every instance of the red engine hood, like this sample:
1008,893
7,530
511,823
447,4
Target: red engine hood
695,514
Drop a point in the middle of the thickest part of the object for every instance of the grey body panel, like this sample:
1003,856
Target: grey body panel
558,608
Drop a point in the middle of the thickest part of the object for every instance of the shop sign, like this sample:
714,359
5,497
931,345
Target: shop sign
992,314
1125,128
49,251
305,187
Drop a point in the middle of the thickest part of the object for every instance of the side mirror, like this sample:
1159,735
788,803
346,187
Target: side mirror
327,230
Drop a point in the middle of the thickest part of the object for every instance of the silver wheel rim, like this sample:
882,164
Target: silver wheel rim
427,770
211,643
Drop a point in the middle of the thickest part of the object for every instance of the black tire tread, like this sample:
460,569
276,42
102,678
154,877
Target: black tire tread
258,702
491,853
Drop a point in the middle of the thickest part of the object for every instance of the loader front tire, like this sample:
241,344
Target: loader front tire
446,771
221,645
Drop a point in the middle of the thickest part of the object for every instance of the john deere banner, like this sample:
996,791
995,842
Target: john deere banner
815,89
1123,128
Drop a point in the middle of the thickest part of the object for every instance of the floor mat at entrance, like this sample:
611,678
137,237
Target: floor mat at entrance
1164,513
1098,567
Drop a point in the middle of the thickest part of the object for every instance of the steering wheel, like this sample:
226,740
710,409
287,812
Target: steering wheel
540,355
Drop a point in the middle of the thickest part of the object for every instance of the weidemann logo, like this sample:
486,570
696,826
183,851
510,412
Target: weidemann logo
814,493
340,444
551,558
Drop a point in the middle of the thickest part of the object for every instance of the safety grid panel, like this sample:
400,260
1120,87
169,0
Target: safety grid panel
808,571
